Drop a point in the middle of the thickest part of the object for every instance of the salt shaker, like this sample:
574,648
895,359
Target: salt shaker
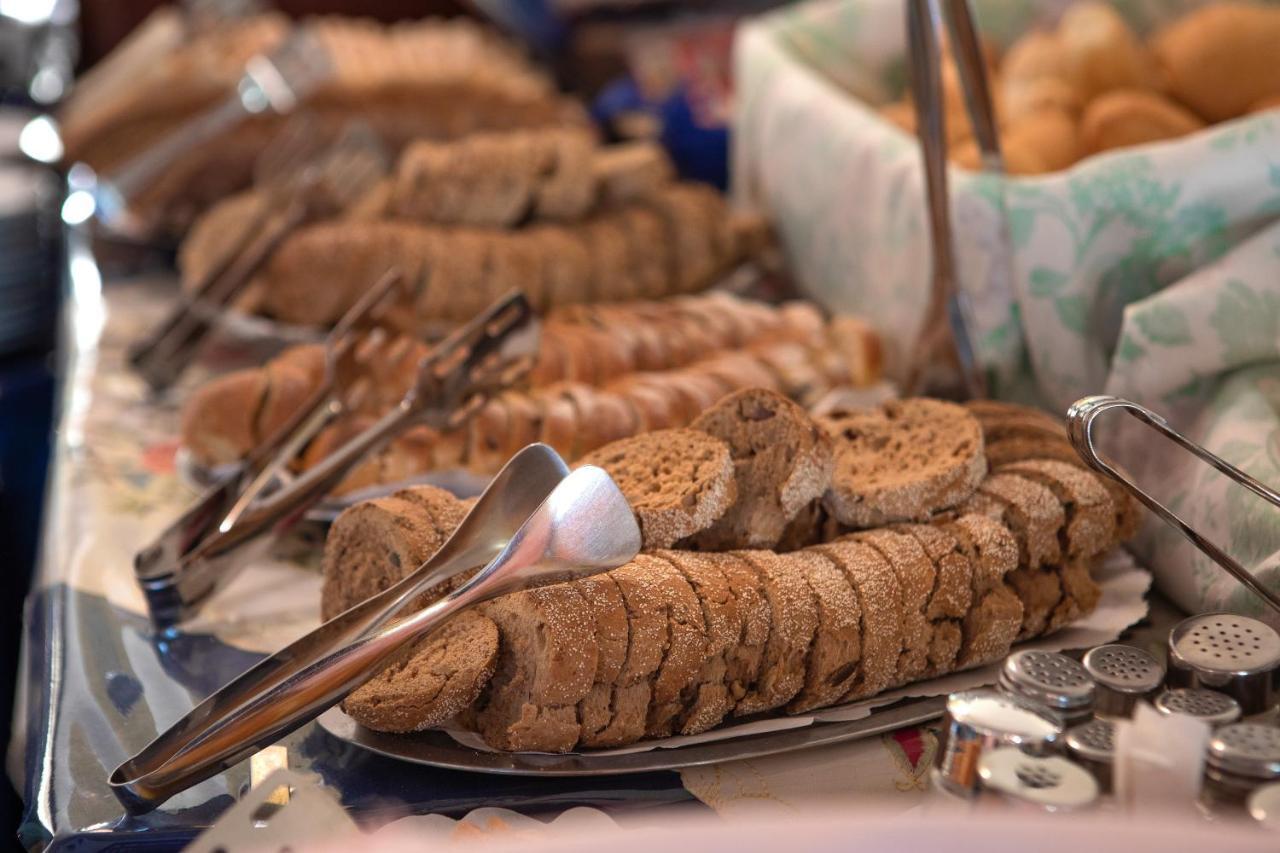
1232,654
1242,758
1216,709
1051,680
1092,745
1013,779
1123,676
978,721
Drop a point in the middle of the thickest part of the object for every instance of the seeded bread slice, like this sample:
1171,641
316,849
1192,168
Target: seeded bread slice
916,577
1028,509
782,462
836,651
546,666
902,461
706,702
1090,515
1040,591
876,587
686,647
441,675
678,481
371,546
794,620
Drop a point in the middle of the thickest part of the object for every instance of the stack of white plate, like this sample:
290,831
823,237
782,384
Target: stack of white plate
29,235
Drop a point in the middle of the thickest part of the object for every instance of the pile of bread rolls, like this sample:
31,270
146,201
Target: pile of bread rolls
1092,84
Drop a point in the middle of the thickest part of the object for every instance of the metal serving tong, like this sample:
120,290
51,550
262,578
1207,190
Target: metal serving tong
1080,422
302,183
944,339
534,525
272,82
239,518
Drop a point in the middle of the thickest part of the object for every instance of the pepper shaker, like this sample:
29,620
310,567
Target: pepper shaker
1232,654
1216,709
1242,757
1011,778
1093,746
978,721
1051,680
1123,676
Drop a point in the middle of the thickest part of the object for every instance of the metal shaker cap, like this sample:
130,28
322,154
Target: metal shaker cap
1093,741
1246,749
1216,709
1049,679
1224,644
1011,718
1264,806
1123,669
1051,783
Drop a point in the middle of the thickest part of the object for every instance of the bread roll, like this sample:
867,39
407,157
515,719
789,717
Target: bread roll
1128,117
1101,51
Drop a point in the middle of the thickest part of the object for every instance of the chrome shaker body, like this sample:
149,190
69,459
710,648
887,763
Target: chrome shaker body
1231,654
1012,779
1242,758
1214,708
1123,676
978,721
1092,745
1050,680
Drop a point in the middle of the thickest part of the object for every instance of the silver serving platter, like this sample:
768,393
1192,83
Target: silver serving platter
437,749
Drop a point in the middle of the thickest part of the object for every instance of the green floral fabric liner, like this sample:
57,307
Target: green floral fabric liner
1152,273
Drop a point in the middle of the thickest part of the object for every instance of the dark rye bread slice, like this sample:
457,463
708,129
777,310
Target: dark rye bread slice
1028,509
1040,591
707,700
685,653
604,598
446,512
952,594
903,461
782,462
875,585
546,666
1090,515
916,576
678,481
744,661
992,624
793,622
371,546
836,650
440,676
1080,593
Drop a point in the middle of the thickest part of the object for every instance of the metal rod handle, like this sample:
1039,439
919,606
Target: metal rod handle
1080,423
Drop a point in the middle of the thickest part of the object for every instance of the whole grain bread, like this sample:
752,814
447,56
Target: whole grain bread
441,675
794,620
781,460
1090,514
686,647
836,651
678,481
902,461
879,597
1028,509
916,578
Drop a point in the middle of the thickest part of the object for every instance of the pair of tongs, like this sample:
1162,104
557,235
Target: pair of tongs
944,338
304,183
1080,423
275,82
237,520
535,524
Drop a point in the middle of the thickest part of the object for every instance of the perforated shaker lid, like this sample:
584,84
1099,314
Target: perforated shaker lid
1209,705
1246,749
1093,741
1053,782
1124,669
1048,678
1225,643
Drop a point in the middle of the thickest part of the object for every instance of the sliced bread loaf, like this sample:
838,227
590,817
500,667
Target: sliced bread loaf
794,620
743,661
686,647
781,460
836,650
876,587
992,624
916,577
951,597
902,461
1090,515
441,675
604,599
678,481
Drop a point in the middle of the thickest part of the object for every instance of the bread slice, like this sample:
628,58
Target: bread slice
992,412
604,599
1090,515
903,461
744,661
546,666
1028,509
951,597
875,585
782,462
793,619
441,675
1040,591
1080,593
685,648
990,628
706,701
993,623
1006,450
678,481
916,577
836,651
990,546
371,546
